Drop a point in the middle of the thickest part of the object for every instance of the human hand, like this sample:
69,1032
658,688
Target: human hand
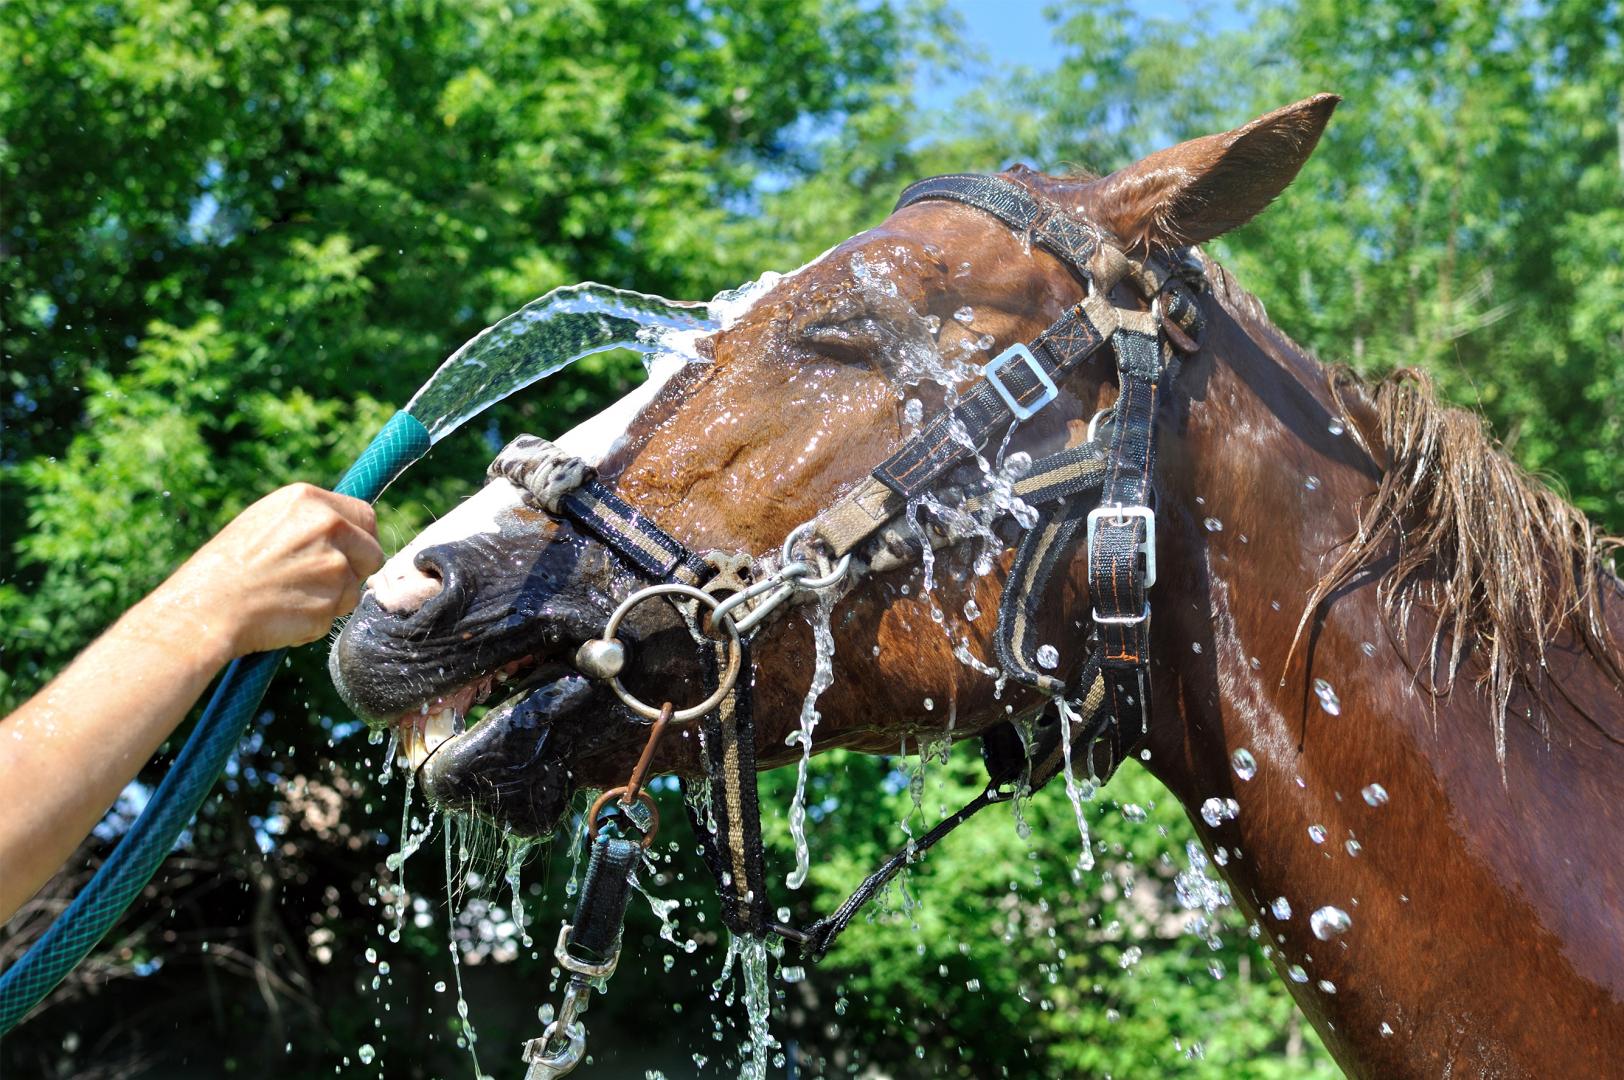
280,572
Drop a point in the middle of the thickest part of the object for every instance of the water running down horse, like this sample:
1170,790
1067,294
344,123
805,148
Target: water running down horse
1357,593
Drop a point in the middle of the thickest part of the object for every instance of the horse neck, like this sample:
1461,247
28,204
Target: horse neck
1473,880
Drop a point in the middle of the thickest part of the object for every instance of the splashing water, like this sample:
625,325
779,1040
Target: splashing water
1085,857
544,337
823,648
518,850
410,841
1329,922
469,1036
752,955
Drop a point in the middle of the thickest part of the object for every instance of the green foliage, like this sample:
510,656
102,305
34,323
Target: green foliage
237,235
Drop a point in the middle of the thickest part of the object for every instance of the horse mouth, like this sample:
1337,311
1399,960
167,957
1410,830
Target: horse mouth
512,765
420,732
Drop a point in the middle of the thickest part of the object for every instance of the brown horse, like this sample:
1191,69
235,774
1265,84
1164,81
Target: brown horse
1408,644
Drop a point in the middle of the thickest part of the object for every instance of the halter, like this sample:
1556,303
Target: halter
1102,487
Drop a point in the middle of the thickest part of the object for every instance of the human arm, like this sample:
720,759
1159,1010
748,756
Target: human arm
277,575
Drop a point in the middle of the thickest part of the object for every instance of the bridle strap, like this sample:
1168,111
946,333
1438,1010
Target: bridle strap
555,482
1071,241
730,839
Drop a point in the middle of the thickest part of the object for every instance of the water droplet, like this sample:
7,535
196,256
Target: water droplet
1296,973
1244,764
1336,427
439,987
1329,922
1281,908
1215,968
1375,795
913,411
1048,657
1386,1030
972,610
1130,957
1368,648
929,704
1316,833
1134,812
1212,812
1353,848
1312,483
965,315
366,1053
1213,525
1327,697
1195,647
1255,663
1328,986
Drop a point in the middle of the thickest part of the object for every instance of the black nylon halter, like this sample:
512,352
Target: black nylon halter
1112,685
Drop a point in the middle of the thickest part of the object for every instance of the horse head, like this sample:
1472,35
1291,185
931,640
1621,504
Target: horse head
821,379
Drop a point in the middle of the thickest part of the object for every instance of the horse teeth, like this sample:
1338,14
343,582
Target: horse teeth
413,750
441,726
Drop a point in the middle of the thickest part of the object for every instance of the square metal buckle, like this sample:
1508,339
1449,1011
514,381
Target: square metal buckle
1050,390
1118,515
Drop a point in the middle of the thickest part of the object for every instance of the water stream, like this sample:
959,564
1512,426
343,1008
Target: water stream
823,643
544,337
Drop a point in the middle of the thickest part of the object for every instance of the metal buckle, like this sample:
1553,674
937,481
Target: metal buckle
569,962
1022,412
1123,620
1119,515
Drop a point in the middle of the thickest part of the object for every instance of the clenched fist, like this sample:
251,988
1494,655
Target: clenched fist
280,572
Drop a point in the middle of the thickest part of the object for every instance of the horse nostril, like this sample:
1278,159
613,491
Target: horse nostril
439,581
407,585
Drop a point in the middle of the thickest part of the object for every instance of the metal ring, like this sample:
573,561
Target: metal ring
643,797
723,684
804,530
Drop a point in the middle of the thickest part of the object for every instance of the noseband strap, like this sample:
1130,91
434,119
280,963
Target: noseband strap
558,483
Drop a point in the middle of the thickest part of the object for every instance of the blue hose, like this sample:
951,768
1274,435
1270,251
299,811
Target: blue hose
131,865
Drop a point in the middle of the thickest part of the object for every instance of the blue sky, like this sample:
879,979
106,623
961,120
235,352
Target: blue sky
1014,33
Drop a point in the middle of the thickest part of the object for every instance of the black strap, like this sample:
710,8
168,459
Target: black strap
1116,578
948,437
641,544
1072,241
605,889
733,850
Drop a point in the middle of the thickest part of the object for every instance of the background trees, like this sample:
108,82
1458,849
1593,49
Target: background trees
238,234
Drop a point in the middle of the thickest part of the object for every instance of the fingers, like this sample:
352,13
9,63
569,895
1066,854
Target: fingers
359,546
358,512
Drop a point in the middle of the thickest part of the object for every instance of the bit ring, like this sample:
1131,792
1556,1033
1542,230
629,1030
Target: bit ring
724,683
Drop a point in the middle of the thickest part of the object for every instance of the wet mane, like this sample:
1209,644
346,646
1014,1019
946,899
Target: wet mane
1503,563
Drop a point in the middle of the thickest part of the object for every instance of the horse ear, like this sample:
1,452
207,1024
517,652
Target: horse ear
1192,192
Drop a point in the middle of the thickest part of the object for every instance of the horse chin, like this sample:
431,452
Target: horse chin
513,767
